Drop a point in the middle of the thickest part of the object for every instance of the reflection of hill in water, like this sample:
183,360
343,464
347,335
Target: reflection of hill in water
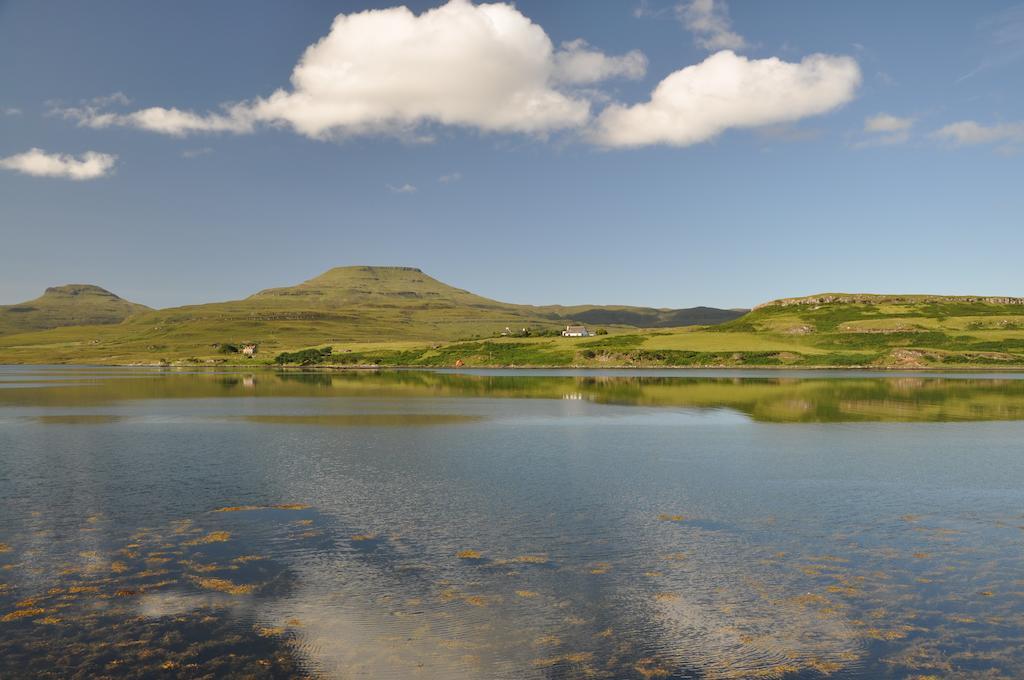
768,399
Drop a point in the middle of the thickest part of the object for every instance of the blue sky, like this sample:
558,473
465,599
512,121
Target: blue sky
890,162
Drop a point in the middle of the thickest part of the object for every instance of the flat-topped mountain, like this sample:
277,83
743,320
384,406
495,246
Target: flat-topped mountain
365,285
75,304
403,303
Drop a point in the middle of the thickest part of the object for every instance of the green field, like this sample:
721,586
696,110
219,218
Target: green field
395,316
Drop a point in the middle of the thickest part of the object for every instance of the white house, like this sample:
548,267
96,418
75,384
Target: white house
576,332
248,350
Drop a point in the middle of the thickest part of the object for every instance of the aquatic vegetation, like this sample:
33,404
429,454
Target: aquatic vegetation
664,517
651,668
212,537
469,555
223,585
280,506
570,658
22,613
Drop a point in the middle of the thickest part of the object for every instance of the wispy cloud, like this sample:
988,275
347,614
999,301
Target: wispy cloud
12,111
884,129
709,22
402,189
646,10
196,153
39,163
1003,38
450,177
970,133
579,63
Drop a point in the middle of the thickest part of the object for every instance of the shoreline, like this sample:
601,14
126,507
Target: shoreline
1016,368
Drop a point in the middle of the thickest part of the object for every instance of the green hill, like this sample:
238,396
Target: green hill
829,330
396,307
75,304
399,316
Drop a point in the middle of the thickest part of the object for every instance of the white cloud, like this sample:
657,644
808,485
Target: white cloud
883,122
886,130
489,68
450,177
969,132
12,111
38,163
699,102
709,22
390,71
579,64
173,121
402,189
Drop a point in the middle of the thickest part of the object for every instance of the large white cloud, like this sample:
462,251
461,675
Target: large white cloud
389,71
967,132
488,67
725,91
38,163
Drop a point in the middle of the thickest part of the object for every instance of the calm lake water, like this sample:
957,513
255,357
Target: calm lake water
510,524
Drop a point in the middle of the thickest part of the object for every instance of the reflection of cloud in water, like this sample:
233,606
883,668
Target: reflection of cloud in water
177,603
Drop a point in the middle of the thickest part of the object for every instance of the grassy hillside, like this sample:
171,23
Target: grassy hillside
835,330
395,316
375,308
70,305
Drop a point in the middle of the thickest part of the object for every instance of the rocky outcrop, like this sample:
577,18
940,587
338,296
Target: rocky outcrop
873,299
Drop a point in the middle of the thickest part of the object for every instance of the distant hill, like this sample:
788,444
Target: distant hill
75,304
399,316
346,305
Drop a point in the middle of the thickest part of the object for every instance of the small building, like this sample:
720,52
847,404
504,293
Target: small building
248,350
575,332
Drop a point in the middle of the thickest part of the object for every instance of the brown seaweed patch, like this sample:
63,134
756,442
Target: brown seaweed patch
223,585
572,658
212,537
278,506
651,668
22,613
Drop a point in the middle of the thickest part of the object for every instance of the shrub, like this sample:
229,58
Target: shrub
305,357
